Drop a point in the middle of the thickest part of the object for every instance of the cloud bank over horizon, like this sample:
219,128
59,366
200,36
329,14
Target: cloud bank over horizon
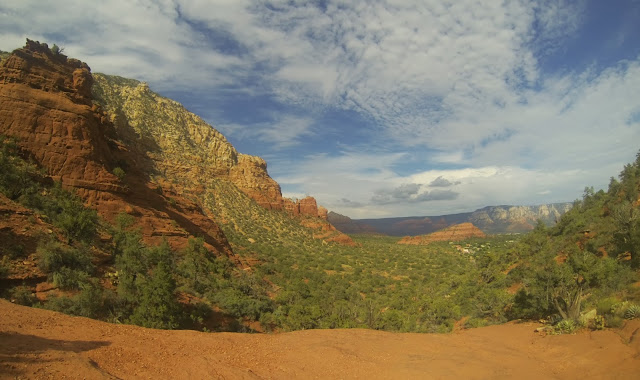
383,108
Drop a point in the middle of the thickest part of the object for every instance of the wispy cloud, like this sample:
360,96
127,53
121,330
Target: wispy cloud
282,131
442,182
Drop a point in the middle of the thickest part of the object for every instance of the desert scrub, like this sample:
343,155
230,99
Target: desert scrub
632,312
67,267
565,326
23,295
5,267
599,322
119,172
90,302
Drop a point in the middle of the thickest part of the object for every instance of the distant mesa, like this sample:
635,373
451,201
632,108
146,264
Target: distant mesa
457,232
349,226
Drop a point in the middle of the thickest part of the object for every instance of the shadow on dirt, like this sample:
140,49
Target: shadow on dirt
18,351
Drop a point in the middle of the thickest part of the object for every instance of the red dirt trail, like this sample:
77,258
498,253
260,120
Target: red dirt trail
40,344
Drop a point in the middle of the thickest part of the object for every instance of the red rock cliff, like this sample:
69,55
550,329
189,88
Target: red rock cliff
454,233
46,103
184,148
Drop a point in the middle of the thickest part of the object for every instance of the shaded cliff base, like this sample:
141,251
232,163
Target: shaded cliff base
44,344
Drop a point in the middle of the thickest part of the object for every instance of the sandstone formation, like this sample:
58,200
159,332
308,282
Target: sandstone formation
184,148
454,233
188,152
517,218
46,103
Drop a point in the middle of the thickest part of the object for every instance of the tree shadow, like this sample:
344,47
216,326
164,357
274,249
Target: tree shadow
19,350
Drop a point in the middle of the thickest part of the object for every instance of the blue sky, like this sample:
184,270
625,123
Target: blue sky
382,108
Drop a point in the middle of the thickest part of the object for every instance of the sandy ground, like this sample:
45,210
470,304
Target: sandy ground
40,344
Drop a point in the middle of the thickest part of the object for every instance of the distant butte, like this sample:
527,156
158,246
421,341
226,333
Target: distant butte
454,233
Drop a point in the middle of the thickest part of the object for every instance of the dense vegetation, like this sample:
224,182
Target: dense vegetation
588,259
378,284
123,280
293,281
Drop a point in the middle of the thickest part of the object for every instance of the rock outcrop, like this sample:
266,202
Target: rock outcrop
250,175
517,218
184,148
457,232
47,105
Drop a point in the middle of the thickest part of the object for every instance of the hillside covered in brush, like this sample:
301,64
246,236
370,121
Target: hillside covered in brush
119,204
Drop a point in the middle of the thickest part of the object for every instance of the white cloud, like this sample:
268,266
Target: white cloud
282,131
360,191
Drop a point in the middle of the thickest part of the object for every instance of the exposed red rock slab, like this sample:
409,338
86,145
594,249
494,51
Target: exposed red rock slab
42,344
454,233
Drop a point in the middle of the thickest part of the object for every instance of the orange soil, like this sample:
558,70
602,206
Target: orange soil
42,344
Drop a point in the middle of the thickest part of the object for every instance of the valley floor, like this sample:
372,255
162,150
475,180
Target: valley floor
42,344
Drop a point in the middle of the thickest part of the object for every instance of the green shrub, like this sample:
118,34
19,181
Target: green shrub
476,322
565,326
54,256
68,267
606,305
12,249
599,323
632,312
67,278
118,172
90,302
199,313
23,295
68,213
613,321
16,175
5,268
62,304
55,49
158,307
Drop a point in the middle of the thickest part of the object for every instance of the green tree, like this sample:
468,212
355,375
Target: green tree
196,267
158,307
562,283
131,262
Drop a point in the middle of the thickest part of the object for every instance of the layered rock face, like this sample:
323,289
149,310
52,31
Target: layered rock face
454,233
184,148
47,105
250,175
517,218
